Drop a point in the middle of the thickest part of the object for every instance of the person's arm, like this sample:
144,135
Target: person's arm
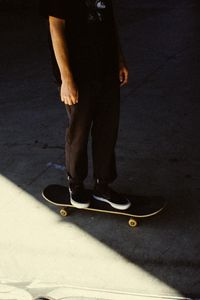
69,92
123,69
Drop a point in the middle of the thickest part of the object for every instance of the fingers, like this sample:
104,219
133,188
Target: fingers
67,101
70,99
123,77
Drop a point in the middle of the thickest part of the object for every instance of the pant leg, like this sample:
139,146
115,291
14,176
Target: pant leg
105,130
77,132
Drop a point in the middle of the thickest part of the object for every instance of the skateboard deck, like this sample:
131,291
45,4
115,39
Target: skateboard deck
141,207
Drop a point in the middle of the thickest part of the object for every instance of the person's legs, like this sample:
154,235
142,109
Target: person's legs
99,105
105,130
77,132
104,138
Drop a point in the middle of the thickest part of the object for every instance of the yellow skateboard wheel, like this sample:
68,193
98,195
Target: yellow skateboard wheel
132,223
63,212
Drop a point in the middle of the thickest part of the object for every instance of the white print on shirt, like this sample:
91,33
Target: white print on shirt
95,10
100,4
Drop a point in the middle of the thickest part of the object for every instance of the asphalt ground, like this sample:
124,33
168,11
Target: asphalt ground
157,152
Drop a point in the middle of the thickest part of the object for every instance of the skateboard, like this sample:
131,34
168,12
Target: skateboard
141,207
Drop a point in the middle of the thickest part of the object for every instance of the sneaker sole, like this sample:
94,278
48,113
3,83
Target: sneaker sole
77,204
116,206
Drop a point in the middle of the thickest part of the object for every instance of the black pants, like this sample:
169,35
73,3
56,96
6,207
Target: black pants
97,112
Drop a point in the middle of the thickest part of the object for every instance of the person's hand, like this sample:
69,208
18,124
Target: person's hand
69,92
123,73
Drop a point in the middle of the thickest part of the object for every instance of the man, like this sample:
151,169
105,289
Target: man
89,68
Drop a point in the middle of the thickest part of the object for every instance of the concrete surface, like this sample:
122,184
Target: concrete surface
90,255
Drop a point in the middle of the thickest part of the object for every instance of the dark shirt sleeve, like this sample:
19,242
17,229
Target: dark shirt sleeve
55,8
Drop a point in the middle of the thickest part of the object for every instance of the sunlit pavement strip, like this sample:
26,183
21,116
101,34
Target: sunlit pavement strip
11,293
46,253
103,295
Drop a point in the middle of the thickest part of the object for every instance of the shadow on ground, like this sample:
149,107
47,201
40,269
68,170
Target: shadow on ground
158,147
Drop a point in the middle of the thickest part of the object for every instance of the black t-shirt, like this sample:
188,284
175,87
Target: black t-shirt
90,34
